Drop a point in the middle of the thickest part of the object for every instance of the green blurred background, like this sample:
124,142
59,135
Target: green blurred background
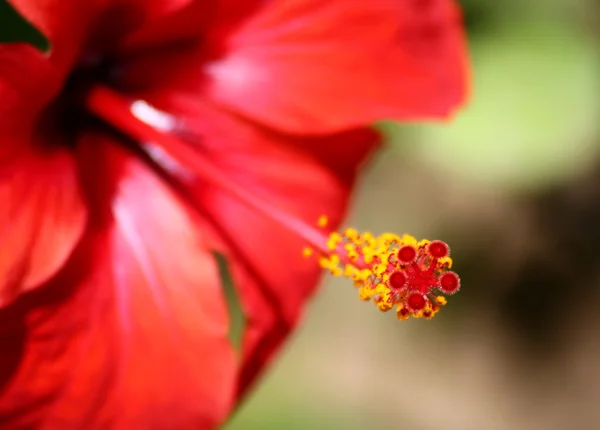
513,184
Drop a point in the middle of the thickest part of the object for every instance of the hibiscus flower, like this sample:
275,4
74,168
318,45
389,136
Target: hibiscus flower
154,133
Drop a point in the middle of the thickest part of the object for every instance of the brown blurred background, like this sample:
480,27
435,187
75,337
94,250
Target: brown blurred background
513,184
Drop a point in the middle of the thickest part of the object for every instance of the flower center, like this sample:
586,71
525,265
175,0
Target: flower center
67,116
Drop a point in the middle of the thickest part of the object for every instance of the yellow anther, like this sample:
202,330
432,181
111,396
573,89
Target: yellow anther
384,305
366,293
407,239
423,243
389,238
361,275
368,239
441,300
307,252
382,251
446,262
336,271
325,262
428,314
378,269
351,251
349,271
402,313
382,298
351,233
322,221
334,240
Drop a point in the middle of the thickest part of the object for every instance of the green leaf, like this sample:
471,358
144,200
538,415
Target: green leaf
15,28
236,314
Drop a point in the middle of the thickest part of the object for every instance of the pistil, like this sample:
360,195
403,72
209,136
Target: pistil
388,270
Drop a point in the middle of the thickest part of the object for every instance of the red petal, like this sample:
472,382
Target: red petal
132,333
66,23
205,22
318,66
274,279
305,177
42,215
27,84
69,24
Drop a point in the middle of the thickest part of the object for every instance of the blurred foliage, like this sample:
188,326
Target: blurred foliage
14,28
531,120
